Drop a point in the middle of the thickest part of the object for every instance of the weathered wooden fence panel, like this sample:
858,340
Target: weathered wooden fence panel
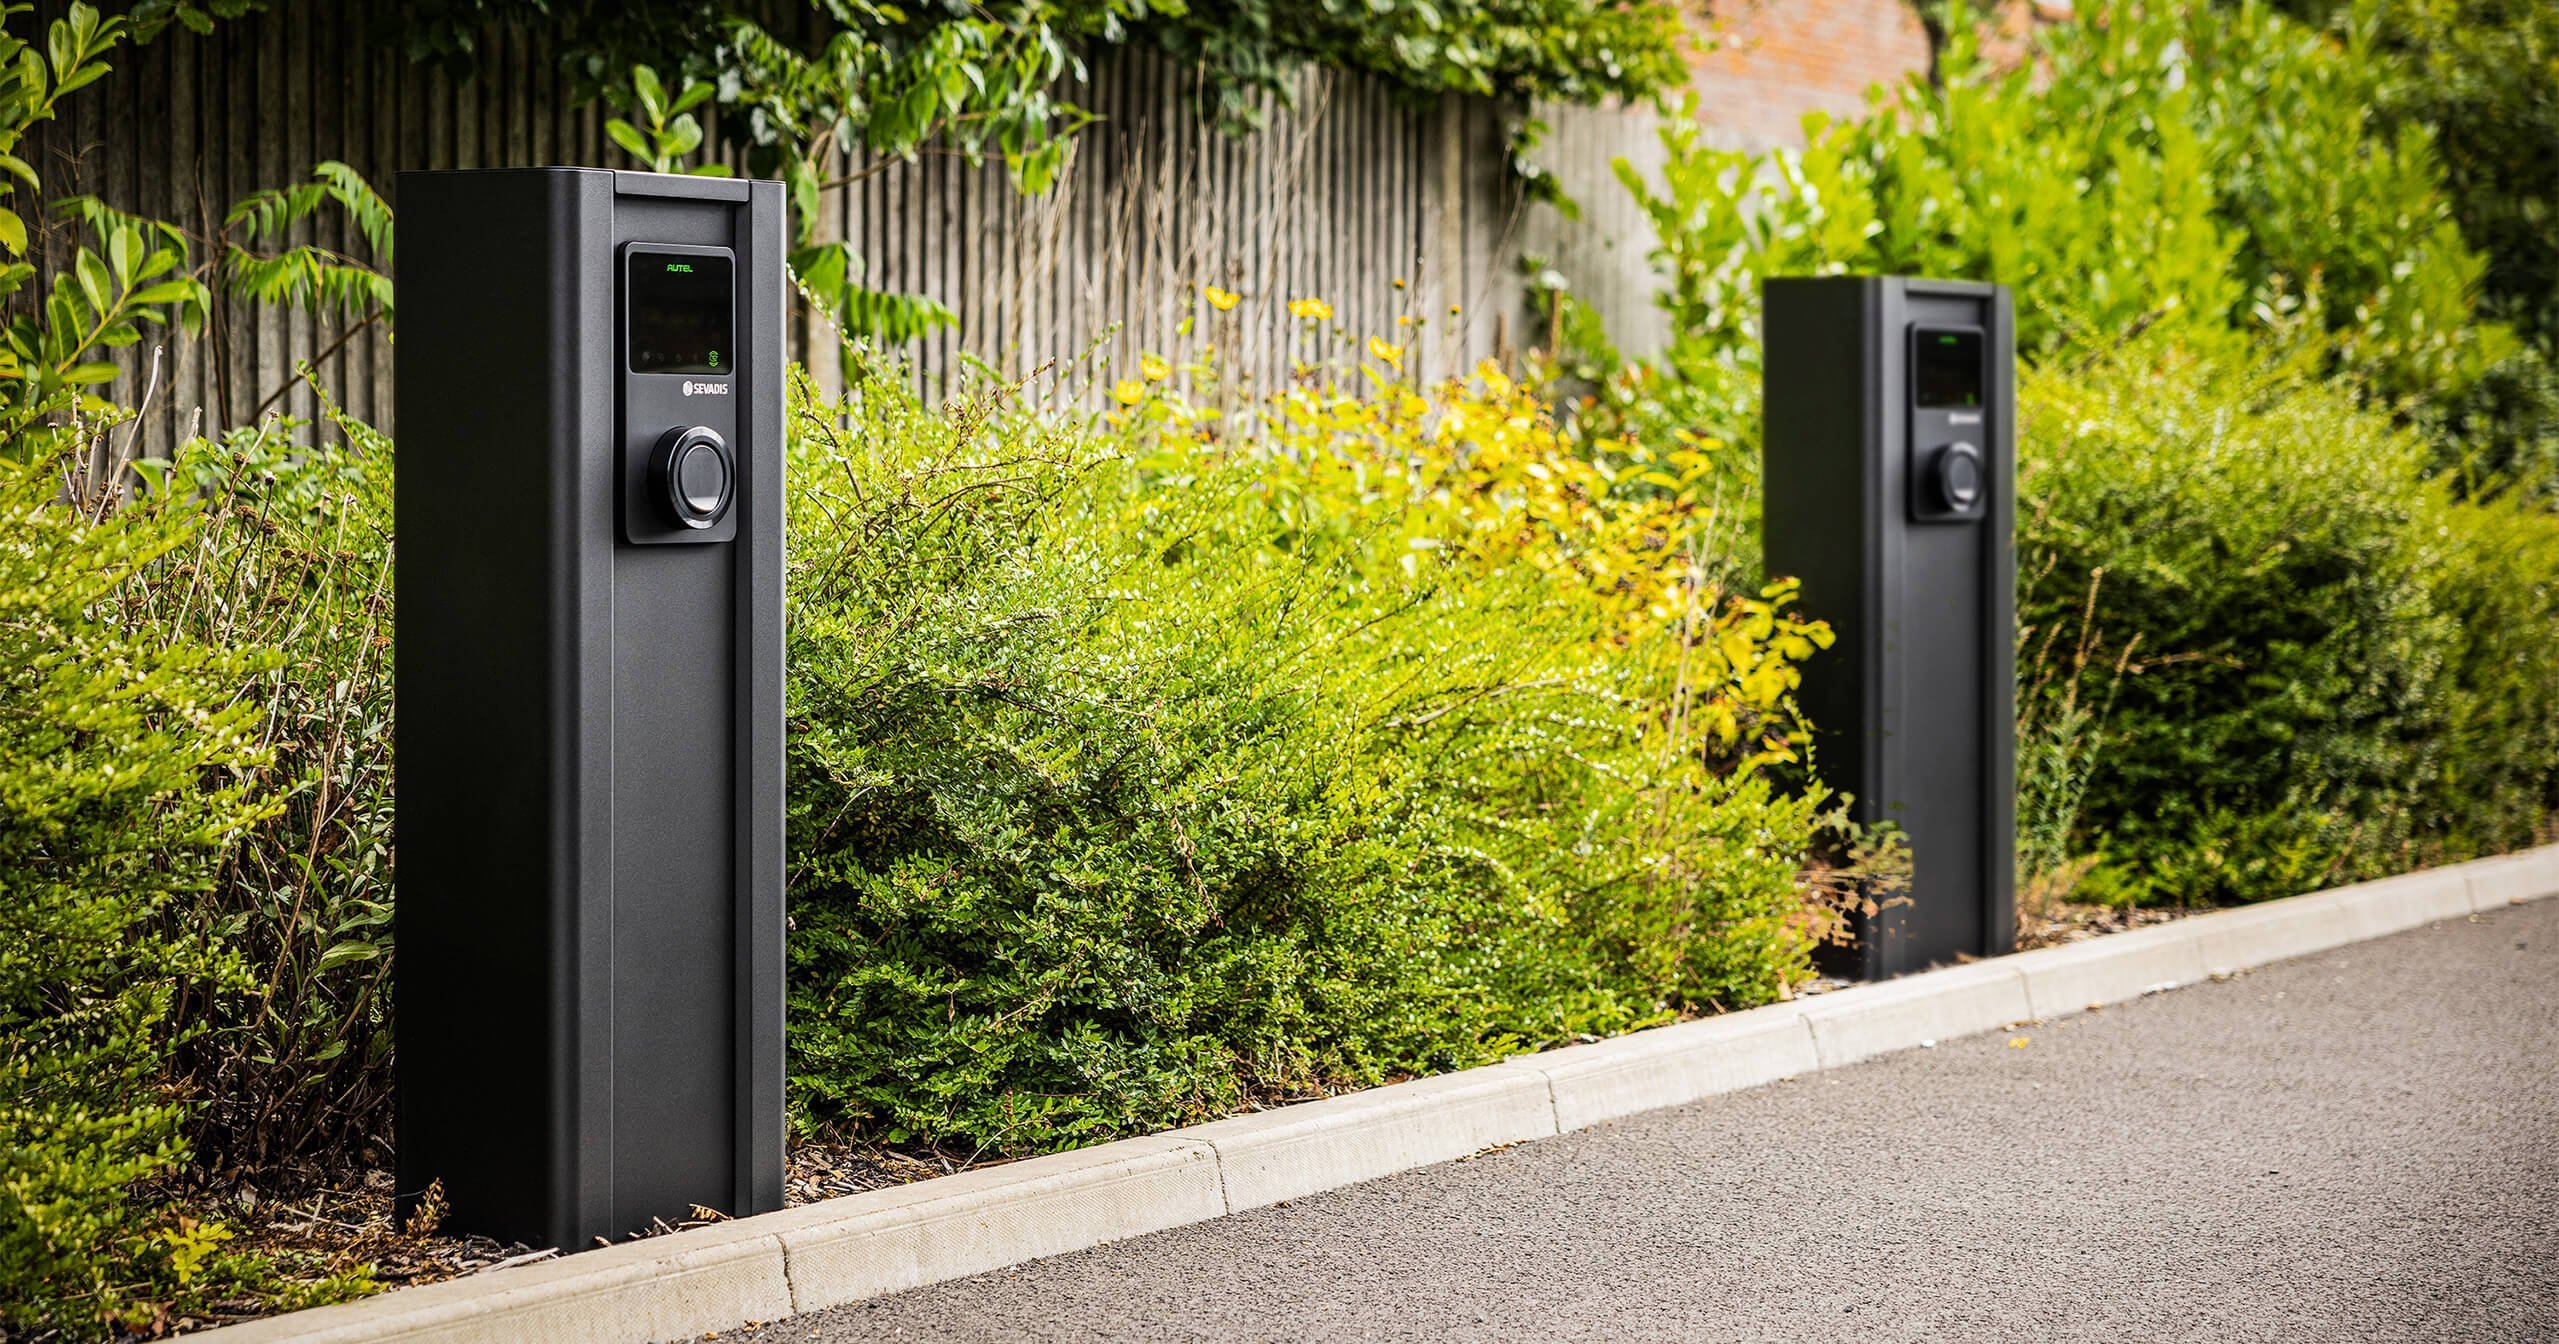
1349,190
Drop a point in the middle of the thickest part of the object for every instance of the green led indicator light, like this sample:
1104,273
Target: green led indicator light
715,359
1948,340
685,268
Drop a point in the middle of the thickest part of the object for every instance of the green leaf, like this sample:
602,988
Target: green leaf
95,282
644,82
352,950
96,371
13,232
683,136
628,137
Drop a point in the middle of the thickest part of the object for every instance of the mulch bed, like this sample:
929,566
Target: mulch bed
2063,922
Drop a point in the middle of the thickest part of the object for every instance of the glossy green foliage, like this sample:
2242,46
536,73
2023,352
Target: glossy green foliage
34,77
56,355
810,98
1120,797
1577,51
2476,76
2494,566
124,276
2212,171
309,276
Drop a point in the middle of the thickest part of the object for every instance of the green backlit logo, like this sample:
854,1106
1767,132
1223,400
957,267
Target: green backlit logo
679,267
715,359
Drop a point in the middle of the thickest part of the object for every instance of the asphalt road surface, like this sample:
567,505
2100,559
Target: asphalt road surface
2362,1145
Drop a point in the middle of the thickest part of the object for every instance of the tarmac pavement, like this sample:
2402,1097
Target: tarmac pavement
2359,1145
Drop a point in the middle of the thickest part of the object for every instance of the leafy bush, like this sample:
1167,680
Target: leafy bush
2263,569
2476,75
2494,785
121,763
1138,774
291,552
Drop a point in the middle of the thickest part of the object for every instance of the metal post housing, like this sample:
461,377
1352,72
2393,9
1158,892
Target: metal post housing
1889,485
589,975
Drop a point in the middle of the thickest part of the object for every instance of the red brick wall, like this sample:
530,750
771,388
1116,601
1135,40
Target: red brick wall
1775,60
1772,61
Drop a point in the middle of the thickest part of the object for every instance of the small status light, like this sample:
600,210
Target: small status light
715,359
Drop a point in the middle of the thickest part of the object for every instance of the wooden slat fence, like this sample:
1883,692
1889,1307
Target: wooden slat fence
1347,191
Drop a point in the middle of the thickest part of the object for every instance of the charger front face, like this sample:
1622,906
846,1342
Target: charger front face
679,403
1949,470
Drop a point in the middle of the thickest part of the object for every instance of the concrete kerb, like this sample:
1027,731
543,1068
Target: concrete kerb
2512,879
673,1287
1853,1024
1295,1151
843,1250
1674,1065
2076,976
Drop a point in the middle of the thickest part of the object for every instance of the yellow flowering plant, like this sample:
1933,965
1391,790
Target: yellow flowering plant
1476,474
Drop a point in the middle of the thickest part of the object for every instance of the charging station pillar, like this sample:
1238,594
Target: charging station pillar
1889,463
589,678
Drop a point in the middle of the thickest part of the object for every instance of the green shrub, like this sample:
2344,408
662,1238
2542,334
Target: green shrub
291,552
121,764
2262,561
1126,789
2495,573
2477,75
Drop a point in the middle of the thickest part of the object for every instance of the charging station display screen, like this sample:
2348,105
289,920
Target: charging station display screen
680,313
1946,370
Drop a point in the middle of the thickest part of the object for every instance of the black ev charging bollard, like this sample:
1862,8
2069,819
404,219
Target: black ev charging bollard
589,674
1889,445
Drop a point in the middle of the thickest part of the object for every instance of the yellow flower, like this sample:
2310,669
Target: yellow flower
1156,370
1313,310
1221,299
1392,354
1128,391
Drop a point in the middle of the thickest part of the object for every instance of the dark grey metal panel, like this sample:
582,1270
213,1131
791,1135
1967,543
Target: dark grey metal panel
760,243
1821,502
490,773
674,842
1914,705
